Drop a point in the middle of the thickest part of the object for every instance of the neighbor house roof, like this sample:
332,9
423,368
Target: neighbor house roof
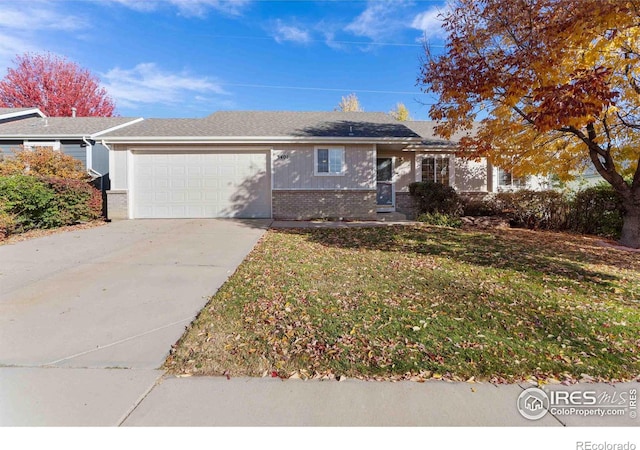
10,113
62,127
268,126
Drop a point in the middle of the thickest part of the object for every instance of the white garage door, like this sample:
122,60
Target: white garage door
200,185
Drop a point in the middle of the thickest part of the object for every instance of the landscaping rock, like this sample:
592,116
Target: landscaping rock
484,222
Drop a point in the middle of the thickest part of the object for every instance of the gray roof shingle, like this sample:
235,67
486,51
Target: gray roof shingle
321,124
273,124
425,128
235,124
13,110
60,126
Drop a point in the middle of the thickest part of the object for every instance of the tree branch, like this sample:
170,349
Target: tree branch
524,115
607,131
627,124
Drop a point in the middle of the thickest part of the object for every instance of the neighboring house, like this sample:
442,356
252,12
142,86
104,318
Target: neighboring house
584,179
257,164
76,136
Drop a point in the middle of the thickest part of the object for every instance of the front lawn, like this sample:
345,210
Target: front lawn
422,302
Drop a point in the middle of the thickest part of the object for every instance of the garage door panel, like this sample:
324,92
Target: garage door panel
193,185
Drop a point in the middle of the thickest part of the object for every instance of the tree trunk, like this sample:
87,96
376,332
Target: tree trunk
631,226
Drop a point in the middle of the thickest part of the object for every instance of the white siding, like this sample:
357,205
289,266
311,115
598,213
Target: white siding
471,176
118,169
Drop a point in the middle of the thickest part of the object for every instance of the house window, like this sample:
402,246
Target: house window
329,161
30,145
506,179
436,169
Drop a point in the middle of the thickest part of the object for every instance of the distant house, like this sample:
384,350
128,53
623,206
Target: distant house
260,164
76,136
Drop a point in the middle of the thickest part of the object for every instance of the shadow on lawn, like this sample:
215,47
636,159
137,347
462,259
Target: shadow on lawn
524,251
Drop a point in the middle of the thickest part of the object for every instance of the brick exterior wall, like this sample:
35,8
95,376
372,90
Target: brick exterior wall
325,204
117,205
406,205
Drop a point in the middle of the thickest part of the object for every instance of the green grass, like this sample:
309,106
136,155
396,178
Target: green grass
422,302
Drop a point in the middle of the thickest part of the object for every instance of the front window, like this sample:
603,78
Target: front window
436,169
329,161
506,179
30,145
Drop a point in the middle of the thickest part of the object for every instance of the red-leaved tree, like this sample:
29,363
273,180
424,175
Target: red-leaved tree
55,85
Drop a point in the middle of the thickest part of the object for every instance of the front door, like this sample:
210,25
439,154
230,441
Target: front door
384,179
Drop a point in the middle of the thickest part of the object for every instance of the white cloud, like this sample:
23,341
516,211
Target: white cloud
283,33
24,25
136,5
430,22
380,19
187,8
37,15
148,84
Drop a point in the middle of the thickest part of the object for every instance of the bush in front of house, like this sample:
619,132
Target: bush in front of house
480,208
7,223
597,210
440,219
28,202
42,161
545,210
74,200
432,198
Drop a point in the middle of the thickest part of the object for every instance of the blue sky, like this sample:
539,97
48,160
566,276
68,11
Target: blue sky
189,58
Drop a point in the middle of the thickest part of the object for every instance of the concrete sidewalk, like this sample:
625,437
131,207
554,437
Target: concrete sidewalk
137,397
215,401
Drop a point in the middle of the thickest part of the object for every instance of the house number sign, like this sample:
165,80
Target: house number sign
283,156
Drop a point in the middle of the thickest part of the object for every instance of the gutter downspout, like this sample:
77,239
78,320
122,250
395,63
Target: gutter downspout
89,157
109,150
95,174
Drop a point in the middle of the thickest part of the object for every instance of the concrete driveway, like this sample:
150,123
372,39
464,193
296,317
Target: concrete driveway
116,296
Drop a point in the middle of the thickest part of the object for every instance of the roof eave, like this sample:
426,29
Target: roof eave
26,137
257,139
26,112
450,146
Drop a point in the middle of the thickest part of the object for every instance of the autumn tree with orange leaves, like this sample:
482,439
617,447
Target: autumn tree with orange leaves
55,85
556,83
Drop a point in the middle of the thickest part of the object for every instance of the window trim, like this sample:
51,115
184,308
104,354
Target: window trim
522,184
30,145
329,174
438,156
